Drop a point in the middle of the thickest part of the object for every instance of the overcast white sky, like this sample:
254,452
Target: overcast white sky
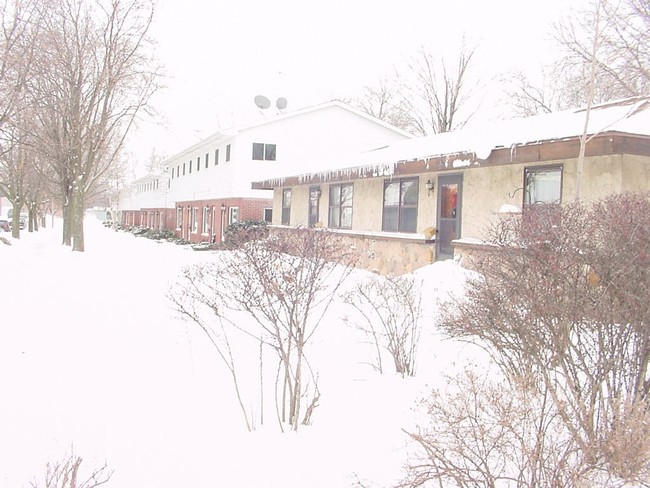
219,54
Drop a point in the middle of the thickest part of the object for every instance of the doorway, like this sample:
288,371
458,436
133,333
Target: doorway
449,205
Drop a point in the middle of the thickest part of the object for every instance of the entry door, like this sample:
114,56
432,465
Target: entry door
450,192
314,200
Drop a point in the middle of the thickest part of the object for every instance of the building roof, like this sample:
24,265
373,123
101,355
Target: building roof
476,143
233,131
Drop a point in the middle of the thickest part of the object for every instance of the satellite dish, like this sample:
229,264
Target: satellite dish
262,102
281,103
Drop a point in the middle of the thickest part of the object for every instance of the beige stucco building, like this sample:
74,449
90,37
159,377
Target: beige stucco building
410,203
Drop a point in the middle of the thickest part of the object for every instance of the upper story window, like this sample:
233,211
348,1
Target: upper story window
542,184
183,169
207,159
340,206
198,163
263,152
400,205
216,157
191,163
286,206
228,153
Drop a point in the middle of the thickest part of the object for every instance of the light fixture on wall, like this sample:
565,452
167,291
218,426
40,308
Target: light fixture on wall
429,185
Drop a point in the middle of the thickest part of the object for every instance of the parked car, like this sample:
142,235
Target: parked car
4,226
21,223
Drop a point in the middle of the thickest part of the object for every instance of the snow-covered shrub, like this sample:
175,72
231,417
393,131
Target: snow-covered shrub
388,313
563,301
275,292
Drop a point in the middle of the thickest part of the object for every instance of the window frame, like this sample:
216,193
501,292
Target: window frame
401,207
333,207
205,222
528,171
194,220
179,218
285,217
263,151
228,152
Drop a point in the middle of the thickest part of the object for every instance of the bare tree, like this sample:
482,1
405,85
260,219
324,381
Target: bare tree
68,474
611,36
389,311
437,91
95,76
385,102
562,299
276,291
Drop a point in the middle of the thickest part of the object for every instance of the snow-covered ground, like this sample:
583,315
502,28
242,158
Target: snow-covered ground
92,357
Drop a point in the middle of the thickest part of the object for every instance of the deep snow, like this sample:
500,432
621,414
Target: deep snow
93,357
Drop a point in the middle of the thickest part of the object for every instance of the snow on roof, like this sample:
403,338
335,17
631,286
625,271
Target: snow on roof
233,131
626,116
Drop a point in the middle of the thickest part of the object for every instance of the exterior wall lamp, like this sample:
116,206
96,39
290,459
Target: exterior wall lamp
429,186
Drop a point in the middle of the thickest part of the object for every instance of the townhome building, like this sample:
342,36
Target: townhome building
432,198
206,187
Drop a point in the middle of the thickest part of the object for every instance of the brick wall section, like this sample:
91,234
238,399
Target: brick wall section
249,209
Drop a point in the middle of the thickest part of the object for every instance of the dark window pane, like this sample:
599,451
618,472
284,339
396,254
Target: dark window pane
346,218
227,152
390,219
346,195
258,151
408,219
335,195
391,193
286,198
269,152
410,192
286,212
334,218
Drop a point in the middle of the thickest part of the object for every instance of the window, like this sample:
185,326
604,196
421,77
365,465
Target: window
340,206
216,157
400,205
183,169
198,163
268,215
179,217
233,215
286,206
207,159
194,223
263,152
190,165
205,223
178,171
228,153
542,185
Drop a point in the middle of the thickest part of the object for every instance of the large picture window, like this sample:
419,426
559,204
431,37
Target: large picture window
542,185
286,206
400,205
340,206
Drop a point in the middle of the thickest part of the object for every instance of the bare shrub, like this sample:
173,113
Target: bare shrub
389,312
563,298
486,431
67,474
276,291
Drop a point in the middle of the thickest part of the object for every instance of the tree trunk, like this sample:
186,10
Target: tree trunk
78,221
